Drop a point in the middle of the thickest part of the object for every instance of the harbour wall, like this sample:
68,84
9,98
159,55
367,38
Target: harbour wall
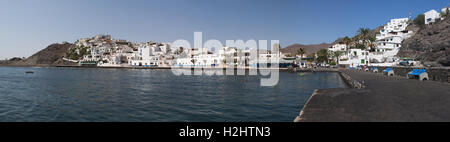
351,82
440,74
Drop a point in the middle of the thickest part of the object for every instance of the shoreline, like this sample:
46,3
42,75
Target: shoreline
191,68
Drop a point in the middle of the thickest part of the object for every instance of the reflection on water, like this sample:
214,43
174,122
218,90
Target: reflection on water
77,94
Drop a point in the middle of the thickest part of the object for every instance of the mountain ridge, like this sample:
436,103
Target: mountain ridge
309,49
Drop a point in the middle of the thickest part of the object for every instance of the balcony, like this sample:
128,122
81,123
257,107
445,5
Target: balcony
378,36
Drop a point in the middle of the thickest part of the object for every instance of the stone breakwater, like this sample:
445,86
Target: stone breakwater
351,82
381,98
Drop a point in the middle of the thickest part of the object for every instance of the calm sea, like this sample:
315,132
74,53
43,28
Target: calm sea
81,94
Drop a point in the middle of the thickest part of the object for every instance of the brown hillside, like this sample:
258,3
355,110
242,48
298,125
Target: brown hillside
292,49
313,48
431,45
50,56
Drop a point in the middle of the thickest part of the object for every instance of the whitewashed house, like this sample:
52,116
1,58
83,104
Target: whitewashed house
389,41
145,57
207,60
355,57
338,47
431,16
225,56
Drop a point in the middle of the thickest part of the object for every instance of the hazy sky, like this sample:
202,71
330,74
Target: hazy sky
27,26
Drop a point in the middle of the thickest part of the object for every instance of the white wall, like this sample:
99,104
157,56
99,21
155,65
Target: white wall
431,16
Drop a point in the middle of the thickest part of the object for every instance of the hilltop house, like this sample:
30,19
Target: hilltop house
444,10
431,16
338,47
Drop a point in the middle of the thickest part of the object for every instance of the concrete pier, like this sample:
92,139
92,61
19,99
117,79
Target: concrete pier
383,98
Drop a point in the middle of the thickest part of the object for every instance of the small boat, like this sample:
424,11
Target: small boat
30,71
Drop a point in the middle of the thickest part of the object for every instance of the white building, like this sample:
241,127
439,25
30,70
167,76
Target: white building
444,10
389,41
145,57
224,57
355,57
338,47
431,16
394,25
165,48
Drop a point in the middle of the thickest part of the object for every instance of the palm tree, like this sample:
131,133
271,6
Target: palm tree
372,42
363,34
347,40
338,54
301,52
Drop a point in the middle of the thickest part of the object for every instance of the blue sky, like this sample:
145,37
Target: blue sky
27,26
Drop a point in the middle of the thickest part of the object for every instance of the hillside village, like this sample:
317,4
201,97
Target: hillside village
382,49
103,51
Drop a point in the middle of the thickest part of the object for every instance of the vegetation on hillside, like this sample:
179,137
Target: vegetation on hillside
322,56
363,39
301,52
336,55
420,20
77,52
446,13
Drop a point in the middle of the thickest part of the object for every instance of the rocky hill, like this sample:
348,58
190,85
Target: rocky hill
292,49
431,44
50,56
309,49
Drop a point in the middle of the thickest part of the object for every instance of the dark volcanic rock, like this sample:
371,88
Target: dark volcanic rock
431,45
